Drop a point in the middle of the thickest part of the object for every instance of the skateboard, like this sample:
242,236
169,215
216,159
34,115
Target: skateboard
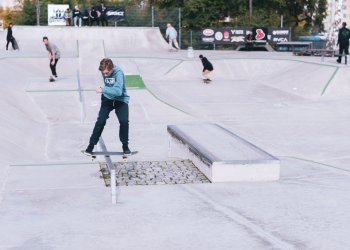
109,153
51,79
206,81
15,43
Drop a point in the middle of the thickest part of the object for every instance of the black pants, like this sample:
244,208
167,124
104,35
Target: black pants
103,20
94,20
53,67
121,110
343,48
7,44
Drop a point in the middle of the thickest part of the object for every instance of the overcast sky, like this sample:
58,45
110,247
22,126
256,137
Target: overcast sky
5,3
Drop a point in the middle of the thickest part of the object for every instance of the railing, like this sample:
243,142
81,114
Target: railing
111,170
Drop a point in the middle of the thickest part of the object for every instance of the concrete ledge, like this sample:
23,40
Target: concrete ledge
220,154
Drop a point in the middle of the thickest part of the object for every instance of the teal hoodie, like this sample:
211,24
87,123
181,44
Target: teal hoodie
114,88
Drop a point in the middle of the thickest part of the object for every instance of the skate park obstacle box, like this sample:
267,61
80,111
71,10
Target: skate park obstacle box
220,154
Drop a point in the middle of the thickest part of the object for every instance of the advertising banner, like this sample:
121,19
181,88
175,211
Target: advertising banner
278,35
116,14
239,35
55,14
260,35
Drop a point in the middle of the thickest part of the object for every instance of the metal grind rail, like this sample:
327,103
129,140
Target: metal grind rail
111,170
81,101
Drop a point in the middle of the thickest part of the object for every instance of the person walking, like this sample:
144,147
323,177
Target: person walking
54,56
207,67
343,41
171,34
9,37
113,97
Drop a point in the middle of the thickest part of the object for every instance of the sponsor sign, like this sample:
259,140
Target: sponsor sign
55,14
116,14
260,35
278,35
239,35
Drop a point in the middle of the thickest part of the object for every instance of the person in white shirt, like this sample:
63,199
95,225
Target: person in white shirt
171,34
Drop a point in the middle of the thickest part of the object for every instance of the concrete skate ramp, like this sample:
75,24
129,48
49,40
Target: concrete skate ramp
28,98
339,84
113,39
295,77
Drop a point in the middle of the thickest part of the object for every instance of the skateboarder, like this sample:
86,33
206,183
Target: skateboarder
54,56
343,41
9,37
171,33
113,97
207,67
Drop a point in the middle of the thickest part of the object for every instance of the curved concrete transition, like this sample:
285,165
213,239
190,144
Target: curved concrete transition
52,197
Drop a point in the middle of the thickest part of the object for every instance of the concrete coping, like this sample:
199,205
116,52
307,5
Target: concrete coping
214,143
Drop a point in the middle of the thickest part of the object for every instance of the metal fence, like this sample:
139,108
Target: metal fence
146,16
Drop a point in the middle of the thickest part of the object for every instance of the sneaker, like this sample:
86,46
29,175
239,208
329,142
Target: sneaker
55,76
126,149
88,150
338,61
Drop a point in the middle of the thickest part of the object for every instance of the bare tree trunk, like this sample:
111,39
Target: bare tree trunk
250,11
38,12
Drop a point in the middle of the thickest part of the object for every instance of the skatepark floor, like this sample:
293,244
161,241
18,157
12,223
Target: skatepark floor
53,197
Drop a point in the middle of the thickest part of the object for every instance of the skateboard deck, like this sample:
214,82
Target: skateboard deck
206,81
109,153
15,44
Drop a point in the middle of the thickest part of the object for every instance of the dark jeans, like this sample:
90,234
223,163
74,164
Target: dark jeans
94,20
343,48
53,67
7,44
103,20
121,110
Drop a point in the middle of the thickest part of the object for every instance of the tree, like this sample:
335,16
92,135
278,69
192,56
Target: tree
307,13
28,15
204,13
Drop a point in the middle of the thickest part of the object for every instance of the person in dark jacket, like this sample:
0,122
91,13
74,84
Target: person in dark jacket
102,9
207,67
77,16
9,37
343,41
94,17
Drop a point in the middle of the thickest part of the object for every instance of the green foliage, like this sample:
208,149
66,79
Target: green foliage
207,13
304,16
8,16
28,15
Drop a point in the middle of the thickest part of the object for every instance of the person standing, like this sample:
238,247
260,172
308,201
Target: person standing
54,56
171,34
9,37
343,41
77,16
102,9
113,97
207,67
